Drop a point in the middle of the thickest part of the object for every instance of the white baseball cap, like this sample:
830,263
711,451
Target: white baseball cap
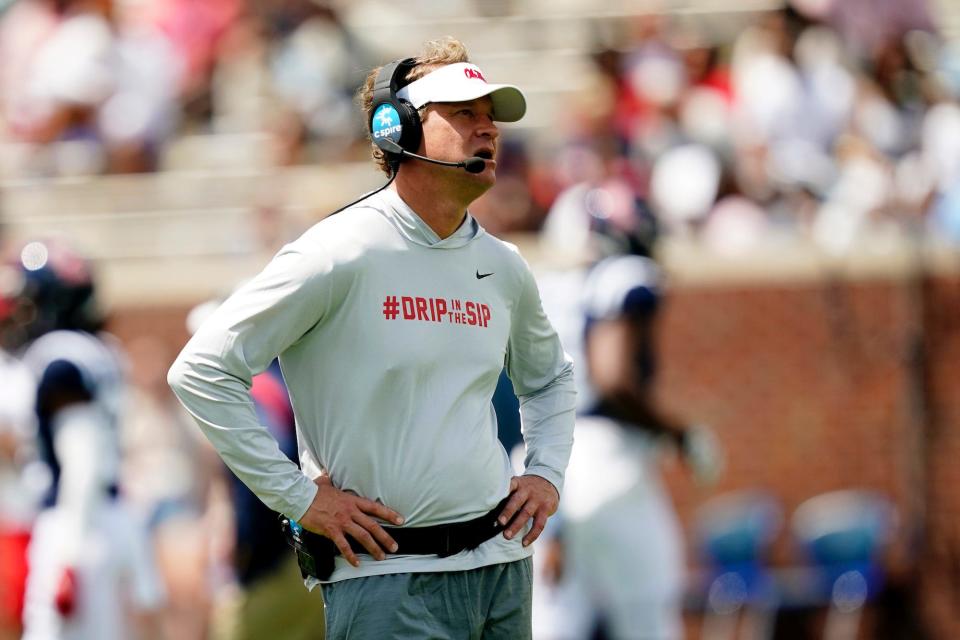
462,82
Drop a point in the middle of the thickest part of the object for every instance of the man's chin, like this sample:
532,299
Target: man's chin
484,181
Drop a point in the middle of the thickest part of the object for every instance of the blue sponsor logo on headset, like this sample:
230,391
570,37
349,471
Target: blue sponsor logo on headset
386,123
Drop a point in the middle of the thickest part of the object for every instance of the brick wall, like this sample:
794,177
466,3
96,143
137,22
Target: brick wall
819,386
941,561
806,386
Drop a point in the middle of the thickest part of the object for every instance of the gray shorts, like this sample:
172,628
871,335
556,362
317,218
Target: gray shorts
489,602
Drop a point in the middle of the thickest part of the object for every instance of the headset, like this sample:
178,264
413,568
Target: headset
394,122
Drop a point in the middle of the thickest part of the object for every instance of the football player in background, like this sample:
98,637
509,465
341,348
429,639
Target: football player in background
613,564
91,572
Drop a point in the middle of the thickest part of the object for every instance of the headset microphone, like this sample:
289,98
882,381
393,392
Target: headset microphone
474,164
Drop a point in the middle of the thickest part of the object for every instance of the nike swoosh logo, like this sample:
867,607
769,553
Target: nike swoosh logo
481,276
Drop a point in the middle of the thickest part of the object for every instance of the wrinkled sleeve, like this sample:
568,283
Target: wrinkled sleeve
212,375
542,377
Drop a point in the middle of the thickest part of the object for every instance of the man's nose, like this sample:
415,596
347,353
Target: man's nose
489,129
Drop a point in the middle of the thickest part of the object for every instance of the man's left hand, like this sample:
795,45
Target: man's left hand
530,497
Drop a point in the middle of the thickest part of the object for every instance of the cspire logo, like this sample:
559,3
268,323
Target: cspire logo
386,123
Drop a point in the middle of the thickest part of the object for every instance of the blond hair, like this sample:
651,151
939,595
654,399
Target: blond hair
435,53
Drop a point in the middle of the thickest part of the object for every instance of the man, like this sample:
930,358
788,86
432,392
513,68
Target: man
392,321
90,566
622,544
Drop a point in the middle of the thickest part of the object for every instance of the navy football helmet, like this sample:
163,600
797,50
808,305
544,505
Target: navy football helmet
589,222
48,286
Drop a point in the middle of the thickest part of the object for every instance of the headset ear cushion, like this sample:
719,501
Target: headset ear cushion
412,131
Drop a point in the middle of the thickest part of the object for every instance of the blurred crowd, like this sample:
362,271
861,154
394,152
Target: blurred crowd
117,80
826,120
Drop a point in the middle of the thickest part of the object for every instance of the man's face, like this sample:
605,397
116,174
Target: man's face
454,131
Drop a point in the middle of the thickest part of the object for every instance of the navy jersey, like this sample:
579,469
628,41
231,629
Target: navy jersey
619,286
74,367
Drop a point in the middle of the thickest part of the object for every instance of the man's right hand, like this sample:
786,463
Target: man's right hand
336,514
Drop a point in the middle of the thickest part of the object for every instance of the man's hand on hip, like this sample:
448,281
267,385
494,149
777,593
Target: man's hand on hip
530,497
337,514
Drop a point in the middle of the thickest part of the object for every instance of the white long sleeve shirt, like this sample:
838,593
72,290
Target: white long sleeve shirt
391,341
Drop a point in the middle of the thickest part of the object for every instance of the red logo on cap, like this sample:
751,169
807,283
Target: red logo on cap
474,73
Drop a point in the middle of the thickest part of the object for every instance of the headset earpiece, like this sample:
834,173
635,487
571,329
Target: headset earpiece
393,118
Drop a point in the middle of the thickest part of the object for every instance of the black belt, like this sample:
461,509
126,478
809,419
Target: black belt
315,553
